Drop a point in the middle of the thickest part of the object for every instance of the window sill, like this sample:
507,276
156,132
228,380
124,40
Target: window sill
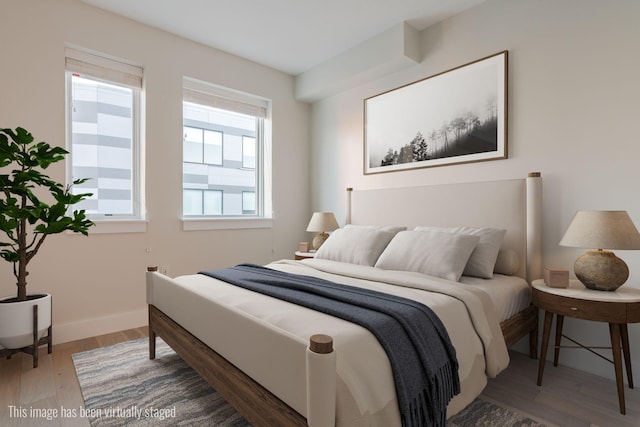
118,226
194,224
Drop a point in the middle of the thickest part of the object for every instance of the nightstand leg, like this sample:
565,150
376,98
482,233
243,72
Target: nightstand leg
533,340
627,354
548,320
614,330
556,352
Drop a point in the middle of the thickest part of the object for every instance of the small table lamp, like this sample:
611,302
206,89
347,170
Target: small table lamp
599,269
321,222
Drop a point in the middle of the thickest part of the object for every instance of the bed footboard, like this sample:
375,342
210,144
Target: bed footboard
259,406
253,401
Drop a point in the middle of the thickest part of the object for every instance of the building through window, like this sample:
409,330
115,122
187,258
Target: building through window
103,102
224,152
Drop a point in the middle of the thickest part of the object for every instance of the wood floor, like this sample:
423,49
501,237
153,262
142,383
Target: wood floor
53,385
567,398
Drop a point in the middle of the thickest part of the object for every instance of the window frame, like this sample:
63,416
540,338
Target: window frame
263,193
94,65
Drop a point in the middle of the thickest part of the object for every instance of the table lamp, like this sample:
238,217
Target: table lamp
600,269
321,222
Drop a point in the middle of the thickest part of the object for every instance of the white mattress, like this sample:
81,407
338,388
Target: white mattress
267,338
510,294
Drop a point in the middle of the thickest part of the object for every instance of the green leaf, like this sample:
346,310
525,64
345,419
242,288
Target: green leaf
10,256
26,193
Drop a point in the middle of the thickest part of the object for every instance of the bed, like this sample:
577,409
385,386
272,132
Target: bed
276,362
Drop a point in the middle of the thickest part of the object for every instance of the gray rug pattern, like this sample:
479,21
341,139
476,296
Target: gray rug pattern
122,387
487,414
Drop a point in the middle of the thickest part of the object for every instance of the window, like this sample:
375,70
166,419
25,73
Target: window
226,153
103,137
248,152
248,203
202,202
202,146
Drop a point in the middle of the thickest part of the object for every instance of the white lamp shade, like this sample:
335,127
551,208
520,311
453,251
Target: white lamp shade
601,230
322,221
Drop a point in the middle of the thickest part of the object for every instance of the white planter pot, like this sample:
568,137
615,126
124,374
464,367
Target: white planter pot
16,321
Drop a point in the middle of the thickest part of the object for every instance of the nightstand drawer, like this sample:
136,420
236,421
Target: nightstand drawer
598,311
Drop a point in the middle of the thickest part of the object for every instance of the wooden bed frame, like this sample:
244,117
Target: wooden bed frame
262,408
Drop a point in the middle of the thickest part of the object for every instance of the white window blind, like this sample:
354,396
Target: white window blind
224,99
87,64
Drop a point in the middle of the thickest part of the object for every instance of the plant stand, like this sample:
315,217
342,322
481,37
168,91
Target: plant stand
33,348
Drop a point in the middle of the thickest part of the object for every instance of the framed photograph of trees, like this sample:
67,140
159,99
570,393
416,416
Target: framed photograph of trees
457,116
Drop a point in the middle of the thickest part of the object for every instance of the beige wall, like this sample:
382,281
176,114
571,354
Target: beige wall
97,282
573,108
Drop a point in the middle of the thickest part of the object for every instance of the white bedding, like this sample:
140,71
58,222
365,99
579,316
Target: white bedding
267,338
510,294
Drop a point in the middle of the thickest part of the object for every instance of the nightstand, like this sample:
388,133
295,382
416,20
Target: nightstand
617,308
304,255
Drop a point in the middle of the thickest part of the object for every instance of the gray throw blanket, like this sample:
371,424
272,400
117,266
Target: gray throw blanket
423,361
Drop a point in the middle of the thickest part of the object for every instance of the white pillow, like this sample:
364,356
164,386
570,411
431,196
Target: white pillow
507,262
483,258
435,253
357,244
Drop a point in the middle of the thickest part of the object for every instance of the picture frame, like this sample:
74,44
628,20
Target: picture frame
457,116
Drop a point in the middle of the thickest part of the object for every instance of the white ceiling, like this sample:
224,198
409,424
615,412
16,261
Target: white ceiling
289,35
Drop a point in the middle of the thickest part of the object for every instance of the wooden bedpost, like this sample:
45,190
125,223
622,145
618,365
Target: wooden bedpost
534,226
321,381
347,219
152,334
534,246
321,344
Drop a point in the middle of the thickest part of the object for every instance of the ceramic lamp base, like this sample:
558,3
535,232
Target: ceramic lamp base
319,239
601,270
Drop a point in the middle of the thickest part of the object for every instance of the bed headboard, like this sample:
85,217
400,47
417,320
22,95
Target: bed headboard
514,204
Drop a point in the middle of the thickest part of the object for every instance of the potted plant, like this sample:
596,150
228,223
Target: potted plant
32,207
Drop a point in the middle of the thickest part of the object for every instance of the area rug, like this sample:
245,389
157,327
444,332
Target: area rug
122,387
484,413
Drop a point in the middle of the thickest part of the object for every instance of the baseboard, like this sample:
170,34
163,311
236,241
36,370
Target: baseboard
71,331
